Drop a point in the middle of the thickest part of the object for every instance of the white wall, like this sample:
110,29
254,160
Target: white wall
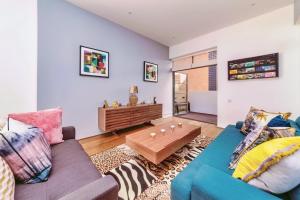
269,33
203,101
78,96
18,56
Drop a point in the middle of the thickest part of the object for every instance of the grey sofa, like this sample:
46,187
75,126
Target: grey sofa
73,176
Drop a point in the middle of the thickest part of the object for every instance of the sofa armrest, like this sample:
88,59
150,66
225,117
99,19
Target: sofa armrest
295,126
211,183
239,124
68,132
105,188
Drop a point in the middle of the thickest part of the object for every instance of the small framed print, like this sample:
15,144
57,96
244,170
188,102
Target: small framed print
94,62
150,72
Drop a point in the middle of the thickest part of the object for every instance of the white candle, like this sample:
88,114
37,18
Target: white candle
152,134
162,130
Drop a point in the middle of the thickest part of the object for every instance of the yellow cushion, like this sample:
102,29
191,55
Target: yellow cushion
260,158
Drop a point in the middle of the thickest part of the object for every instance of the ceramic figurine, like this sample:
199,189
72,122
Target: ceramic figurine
154,100
115,104
105,105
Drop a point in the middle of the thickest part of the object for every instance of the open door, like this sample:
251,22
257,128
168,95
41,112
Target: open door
180,93
195,86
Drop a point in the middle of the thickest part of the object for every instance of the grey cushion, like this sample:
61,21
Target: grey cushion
71,170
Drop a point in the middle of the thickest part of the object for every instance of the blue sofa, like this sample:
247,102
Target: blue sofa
207,177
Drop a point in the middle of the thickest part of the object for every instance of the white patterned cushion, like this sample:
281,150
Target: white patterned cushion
256,122
282,177
2,124
7,181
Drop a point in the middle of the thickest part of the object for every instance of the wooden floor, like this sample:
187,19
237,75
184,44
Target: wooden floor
106,141
201,117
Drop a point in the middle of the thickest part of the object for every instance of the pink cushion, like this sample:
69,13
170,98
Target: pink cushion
50,121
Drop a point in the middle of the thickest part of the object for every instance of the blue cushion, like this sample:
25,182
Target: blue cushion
294,125
211,183
278,121
239,124
31,153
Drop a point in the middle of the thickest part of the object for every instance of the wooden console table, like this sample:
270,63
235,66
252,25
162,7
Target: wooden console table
112,119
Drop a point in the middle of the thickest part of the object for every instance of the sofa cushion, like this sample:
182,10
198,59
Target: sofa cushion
7,183
71,169
279,121
50,121
105,188
258,160
181,185
282,177
28,154
218,153
255,123
211,183
257,118
239,124
248,122
295,125
17,126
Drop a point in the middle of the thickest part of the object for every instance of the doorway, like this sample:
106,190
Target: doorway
180,93
195,94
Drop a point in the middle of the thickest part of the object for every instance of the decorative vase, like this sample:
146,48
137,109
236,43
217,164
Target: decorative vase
133,99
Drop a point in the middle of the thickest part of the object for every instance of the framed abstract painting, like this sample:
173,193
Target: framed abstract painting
94,62
150,72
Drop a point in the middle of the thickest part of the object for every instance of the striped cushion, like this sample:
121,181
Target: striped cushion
7,181
27,153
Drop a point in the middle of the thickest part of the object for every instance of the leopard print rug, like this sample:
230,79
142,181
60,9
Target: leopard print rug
151,181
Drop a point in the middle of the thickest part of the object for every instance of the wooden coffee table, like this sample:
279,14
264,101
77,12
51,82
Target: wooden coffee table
161,146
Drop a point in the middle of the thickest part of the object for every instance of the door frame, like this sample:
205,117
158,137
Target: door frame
173,83
173,89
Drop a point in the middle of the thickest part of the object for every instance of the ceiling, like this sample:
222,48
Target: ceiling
170,22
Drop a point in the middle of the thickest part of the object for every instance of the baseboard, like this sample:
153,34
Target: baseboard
167,115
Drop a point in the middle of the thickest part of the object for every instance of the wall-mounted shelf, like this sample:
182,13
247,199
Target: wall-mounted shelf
258,67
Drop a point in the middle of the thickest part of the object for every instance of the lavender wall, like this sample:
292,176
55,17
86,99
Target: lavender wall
62,28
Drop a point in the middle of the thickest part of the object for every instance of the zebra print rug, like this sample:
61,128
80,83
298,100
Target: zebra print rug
140,179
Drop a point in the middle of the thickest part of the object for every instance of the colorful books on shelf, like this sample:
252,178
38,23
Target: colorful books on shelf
258,67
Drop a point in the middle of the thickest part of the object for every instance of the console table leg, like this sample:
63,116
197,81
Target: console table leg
115,133
148,123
